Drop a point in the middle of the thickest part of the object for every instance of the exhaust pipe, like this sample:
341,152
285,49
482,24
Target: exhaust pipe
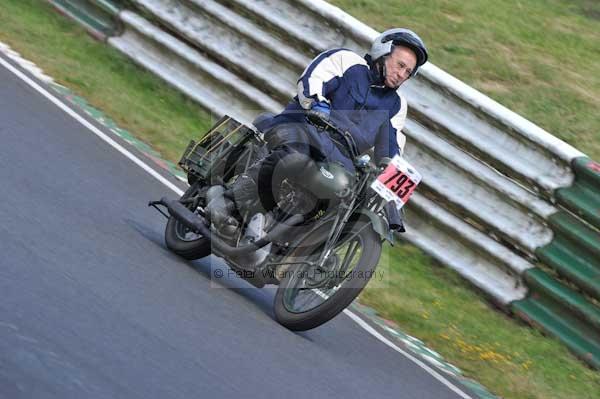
194,222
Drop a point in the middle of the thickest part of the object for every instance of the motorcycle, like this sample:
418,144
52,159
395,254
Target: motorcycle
322,242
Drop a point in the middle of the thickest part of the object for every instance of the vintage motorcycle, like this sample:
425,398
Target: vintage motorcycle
320,244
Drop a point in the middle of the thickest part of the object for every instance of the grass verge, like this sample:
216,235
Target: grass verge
436,305
132,97
428,301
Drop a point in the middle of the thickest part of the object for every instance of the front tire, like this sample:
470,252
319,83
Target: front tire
300,308
181,240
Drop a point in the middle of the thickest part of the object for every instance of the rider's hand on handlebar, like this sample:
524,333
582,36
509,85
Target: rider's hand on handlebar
318,114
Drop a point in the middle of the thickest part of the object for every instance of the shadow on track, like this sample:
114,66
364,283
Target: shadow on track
213,269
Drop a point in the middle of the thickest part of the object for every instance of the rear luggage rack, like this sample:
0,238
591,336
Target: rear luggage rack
219,151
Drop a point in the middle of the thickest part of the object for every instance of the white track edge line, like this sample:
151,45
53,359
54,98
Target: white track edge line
418,362
178,191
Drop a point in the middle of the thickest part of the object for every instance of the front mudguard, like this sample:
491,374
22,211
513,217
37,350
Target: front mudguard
379,223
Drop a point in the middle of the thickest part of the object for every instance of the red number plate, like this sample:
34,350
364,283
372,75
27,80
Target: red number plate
397,182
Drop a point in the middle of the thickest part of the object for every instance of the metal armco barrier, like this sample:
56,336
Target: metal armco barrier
99,17
499,194
582,197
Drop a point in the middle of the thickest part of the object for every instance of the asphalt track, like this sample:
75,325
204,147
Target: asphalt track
94,306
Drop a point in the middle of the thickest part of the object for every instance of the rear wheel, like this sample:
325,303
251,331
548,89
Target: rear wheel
182,240
309,296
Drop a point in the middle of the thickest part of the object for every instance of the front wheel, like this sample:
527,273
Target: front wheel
309,296
183,241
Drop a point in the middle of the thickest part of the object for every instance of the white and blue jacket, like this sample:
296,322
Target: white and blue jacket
372,113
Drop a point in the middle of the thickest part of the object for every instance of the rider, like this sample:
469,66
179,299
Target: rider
359,95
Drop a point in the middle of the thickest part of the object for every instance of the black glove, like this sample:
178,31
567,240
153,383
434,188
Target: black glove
318,114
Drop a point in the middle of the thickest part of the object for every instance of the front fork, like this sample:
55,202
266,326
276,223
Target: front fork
344,213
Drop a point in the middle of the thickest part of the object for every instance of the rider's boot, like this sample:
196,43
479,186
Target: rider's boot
239,199
219,208
251,191
244,193
394,217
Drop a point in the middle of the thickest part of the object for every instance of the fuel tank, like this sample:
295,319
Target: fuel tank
326,180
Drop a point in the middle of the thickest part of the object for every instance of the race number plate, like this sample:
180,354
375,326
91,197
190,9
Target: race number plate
397,182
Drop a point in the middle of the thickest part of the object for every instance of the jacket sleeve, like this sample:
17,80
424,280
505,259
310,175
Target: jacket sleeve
390,140
322,76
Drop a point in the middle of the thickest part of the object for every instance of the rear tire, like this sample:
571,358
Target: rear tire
334,300
181,240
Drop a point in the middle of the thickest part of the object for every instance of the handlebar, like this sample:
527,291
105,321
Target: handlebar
320,121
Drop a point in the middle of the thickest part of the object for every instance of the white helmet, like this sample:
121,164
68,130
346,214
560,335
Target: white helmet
384,44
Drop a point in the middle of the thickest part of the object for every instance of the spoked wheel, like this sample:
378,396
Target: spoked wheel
308,295
182,240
